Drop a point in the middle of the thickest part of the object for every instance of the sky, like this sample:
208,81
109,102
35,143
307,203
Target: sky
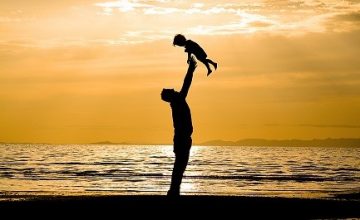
82,71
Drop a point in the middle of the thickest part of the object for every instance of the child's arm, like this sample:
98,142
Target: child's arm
189,54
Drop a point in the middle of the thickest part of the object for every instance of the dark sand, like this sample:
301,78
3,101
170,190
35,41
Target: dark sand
236,207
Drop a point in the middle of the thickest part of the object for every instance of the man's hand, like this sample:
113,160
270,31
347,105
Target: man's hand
189,57
192,63
188,77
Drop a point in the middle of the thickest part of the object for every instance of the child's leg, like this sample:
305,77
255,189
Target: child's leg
207,66
212,63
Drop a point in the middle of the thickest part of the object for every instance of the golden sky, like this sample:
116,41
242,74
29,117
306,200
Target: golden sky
79,71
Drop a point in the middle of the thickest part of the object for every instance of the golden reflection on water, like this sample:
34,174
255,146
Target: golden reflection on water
116,169
189,185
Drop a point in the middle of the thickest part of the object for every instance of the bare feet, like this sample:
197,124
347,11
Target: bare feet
209,71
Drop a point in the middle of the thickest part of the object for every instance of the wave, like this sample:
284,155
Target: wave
132,176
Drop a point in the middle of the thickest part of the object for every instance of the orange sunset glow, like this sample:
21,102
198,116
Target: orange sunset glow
82,71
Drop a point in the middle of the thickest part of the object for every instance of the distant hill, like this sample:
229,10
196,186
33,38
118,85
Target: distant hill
330,142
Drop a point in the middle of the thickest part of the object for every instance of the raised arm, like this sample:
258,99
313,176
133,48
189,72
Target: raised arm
188,78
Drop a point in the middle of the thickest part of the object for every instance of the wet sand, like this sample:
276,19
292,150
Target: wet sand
158,206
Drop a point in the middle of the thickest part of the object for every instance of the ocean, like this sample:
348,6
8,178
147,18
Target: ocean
311,172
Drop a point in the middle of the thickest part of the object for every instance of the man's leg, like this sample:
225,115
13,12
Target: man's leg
182,152
181,161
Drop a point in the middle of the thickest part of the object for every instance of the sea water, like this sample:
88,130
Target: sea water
40,169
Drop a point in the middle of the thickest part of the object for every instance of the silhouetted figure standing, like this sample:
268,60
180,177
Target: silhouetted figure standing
182,128
192,47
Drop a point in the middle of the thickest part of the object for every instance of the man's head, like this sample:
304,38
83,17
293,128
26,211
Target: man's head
179,40
167,95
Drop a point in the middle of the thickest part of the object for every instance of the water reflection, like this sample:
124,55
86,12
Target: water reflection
114,169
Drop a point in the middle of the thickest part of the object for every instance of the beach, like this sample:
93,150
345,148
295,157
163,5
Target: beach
157,205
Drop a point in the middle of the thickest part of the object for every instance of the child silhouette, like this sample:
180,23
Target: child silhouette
192,47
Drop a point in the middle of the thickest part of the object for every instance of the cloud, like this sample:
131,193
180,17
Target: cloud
344,22
160,11
276,17
352,16
259,24
138,21
154,8
122,5
226,29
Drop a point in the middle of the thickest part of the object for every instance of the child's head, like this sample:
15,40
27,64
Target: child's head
179,40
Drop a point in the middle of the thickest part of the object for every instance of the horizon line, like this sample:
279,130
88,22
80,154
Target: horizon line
171,143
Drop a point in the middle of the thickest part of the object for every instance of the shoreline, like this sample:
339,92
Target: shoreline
157,204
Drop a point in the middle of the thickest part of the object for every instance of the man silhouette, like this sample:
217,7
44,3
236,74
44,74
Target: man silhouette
182,128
